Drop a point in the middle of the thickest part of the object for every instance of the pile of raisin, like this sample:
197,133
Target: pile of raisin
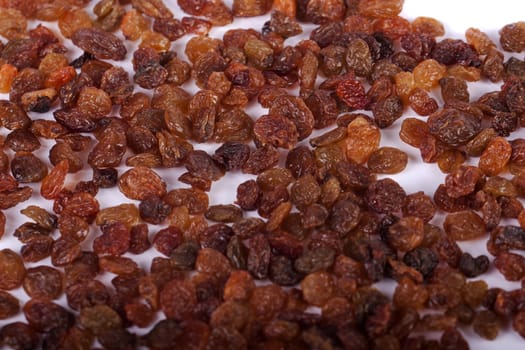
292,261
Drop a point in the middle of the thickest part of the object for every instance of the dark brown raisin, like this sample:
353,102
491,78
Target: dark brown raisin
101,44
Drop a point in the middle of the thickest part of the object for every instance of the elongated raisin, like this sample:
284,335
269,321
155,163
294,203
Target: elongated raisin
101,44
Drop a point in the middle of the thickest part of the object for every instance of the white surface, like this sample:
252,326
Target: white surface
457,15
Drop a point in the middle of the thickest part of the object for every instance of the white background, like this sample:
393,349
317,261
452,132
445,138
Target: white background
456,15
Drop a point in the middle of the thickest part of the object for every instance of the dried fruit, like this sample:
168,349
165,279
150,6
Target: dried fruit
275,130
385,196
362,140
495,156
43,282
512,37
99,43
152,8
428,73
387,160
464,225
14,270
178,299
352,92
141,182
374,8
406,234
454,127
511,266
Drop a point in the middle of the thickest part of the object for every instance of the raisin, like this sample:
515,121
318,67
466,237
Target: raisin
373,8
454,127
450,160
13,117
154,8
233,125
479,40
420,205
387,160
195,200
261,159
495,156
166,240
297,111
99,318
387,111
464,225
362,140
231,314
44,315
358,58
510,265
390,28
344,217
352,93
115,82
232,155
331,227
20,335
154,210
195,25
258,259
453,339
140,182
8,73
469,74
275,130
52,184
463,181
305,191
47,129
473,267
248,194
21,53
422,259
267,301
36,248
512,37
385,196
428,73
12,198
450,51
115,239
43,282
126,213
109,15
410,294
315,260
9,305
413,131
422,103
224,213
138,240
406,234
428,25
101,44
22,140
14,270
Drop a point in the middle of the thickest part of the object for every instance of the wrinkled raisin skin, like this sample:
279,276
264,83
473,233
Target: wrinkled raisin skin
100,43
